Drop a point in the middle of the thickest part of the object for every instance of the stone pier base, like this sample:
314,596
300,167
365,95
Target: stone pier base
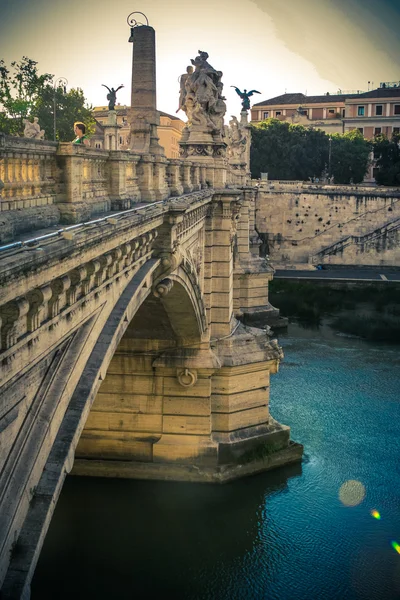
189,473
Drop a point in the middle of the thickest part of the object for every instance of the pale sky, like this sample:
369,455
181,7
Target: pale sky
308,46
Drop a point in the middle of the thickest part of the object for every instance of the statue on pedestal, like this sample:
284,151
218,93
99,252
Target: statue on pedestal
236,139
112,96
201,96
32,130
245,95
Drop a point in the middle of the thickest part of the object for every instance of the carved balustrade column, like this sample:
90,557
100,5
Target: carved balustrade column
187,180
203,176
175,183
196,177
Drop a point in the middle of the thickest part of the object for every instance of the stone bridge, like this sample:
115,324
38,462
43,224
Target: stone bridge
121,353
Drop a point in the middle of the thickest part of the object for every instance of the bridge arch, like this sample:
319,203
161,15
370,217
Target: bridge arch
136,317
134,406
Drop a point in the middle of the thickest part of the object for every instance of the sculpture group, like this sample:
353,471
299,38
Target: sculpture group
201,96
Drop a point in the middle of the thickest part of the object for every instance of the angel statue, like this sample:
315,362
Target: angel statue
245,95
112,96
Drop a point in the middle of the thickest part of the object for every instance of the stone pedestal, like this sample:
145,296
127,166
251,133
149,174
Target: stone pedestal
111,131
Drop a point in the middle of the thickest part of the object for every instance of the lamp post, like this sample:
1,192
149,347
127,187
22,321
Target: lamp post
329,158
60,82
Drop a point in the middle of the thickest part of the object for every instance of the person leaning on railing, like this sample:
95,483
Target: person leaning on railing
80,131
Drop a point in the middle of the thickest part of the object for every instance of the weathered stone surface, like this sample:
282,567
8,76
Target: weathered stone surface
304,224
120,349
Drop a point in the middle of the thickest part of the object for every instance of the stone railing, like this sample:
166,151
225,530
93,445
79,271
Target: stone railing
44,183
316,188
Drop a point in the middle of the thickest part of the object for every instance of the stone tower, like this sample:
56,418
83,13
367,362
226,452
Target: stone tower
143,115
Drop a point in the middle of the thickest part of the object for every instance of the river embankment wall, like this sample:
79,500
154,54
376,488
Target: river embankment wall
310,224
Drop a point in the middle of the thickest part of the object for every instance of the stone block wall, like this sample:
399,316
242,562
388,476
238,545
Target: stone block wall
308,224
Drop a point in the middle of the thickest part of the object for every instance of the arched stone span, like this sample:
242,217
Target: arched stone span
132,312
145,396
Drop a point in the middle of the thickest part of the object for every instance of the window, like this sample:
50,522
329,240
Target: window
266,115
278,113
379,110
361,130
397,109
377,130
331,111
360,111
121,140
396,130
343,112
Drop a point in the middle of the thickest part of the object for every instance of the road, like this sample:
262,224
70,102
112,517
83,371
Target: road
350,274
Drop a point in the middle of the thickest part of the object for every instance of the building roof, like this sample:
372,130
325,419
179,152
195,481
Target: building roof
386,92
303,99
174,118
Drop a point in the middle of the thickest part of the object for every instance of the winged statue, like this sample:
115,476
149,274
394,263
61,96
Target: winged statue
245,95
112,96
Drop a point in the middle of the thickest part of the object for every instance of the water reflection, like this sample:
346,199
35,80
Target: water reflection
123,537
277,536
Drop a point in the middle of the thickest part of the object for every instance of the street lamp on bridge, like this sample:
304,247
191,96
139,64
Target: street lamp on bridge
60,82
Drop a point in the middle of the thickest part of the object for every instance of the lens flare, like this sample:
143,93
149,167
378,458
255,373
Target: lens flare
352,492
396,547
376,514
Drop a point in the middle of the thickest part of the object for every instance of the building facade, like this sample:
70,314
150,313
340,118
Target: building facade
320,112
375,112
169,130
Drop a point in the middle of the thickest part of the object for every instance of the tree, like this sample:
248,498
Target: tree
70,107
287,151
387,156
26,94
349,157
19,91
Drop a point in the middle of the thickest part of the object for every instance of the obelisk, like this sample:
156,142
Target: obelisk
143,115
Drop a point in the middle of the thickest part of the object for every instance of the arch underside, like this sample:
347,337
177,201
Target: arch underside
136,403
62,408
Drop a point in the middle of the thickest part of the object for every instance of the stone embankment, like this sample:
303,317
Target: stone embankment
307,224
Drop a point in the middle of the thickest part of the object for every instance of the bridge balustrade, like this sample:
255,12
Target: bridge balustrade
43,184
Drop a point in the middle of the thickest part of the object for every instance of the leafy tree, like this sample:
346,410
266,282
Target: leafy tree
19,91
26,94
349,157
287,151
387,155
70,107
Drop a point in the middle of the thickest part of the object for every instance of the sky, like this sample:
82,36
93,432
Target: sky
273,46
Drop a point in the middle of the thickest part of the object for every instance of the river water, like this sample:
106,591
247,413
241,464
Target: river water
304,532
